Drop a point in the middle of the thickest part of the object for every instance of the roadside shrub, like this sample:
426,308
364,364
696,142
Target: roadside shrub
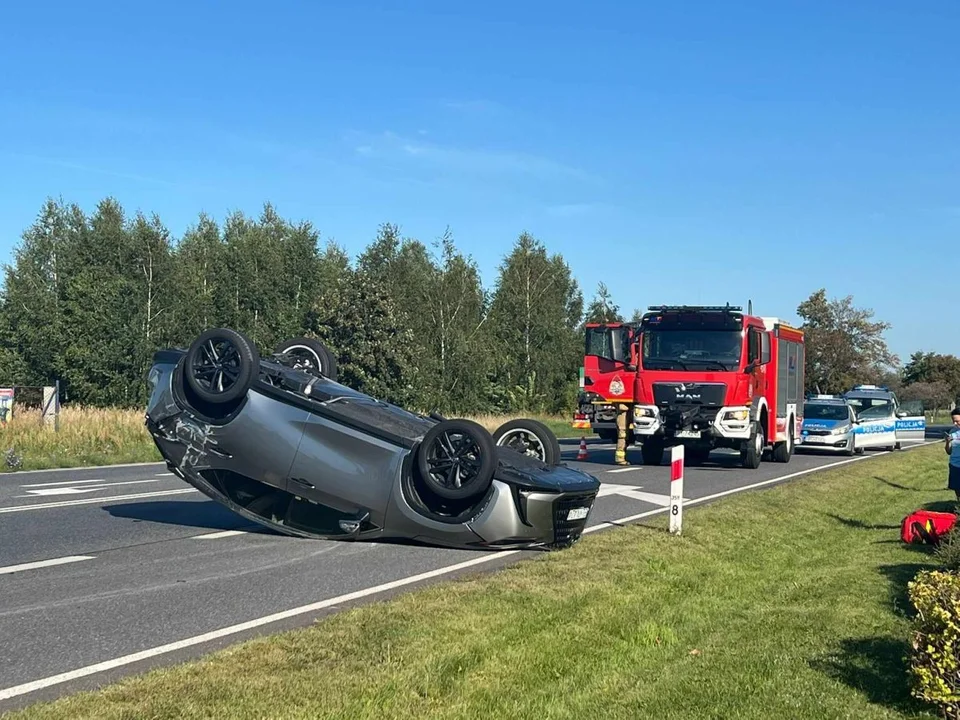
935,659
948,552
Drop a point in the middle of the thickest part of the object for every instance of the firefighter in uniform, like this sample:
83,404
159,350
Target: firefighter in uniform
620,456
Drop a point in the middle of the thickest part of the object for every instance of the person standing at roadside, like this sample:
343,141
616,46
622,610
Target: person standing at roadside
952,448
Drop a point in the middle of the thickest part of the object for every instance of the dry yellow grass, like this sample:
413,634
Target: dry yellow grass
105,436
86,436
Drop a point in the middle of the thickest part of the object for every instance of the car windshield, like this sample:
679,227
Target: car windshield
867,408
692,350
824,411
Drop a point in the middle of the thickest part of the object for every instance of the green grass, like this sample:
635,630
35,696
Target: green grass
787,602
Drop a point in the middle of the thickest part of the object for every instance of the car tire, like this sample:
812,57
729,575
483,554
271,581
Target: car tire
218,355
451,446
531,438
311,355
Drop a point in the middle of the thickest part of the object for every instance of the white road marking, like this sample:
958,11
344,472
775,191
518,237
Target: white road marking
88,467
76,491
45,492
65,482
89,501
217,535
633,491
625,469
61,678
44,563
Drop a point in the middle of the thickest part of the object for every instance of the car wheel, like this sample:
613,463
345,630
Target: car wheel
457,459
221,365
311,355
531,438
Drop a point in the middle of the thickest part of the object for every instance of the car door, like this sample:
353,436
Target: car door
877,426
911,422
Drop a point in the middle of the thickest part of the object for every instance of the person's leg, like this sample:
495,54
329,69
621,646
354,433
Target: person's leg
953,480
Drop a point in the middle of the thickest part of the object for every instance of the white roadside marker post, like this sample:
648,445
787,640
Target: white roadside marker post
676,489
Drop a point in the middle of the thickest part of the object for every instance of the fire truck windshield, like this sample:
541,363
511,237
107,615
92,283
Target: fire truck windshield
608,343
691,350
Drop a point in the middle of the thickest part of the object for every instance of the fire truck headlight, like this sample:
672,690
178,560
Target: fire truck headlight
736,415
642,412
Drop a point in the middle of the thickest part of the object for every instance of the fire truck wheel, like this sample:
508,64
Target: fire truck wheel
752,454
784,450
652,451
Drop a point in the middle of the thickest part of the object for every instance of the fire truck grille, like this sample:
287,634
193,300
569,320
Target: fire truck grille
672,394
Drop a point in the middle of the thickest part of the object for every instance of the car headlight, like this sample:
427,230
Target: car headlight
840,430
736,415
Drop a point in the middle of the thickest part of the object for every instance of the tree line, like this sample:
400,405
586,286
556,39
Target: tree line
88,299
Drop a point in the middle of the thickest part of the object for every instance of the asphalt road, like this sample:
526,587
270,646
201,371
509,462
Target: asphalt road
106,572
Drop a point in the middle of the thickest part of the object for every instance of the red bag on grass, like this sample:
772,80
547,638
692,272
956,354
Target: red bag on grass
926,526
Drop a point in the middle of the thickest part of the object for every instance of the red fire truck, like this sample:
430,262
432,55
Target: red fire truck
608,376
714,377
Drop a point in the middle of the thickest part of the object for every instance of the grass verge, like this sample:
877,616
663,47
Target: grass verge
104,436
786,602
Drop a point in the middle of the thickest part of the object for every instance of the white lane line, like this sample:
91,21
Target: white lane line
90,501
43,563
367,592
87,467
626,469
64,482
217,535
70,490
165,474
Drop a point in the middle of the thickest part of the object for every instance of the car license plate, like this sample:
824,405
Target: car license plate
813,439
577,513
688,433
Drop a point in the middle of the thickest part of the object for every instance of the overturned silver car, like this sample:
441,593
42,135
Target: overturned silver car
279,441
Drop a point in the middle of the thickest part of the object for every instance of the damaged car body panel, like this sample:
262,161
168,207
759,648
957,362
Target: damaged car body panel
291,449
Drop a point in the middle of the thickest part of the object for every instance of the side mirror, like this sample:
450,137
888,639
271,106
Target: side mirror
901,413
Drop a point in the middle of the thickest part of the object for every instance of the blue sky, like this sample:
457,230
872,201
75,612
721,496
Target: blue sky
680,152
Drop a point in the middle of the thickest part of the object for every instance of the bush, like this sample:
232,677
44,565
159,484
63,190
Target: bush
934,662
948,552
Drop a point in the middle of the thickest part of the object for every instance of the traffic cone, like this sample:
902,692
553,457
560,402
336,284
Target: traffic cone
582,455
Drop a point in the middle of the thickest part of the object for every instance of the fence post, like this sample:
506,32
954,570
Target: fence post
676,489
51,406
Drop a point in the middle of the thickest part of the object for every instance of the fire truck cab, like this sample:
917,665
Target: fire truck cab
609,368
712,377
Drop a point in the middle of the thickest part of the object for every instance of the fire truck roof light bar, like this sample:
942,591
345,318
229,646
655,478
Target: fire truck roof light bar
694,308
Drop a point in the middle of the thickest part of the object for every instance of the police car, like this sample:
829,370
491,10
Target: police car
882,421
829,423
